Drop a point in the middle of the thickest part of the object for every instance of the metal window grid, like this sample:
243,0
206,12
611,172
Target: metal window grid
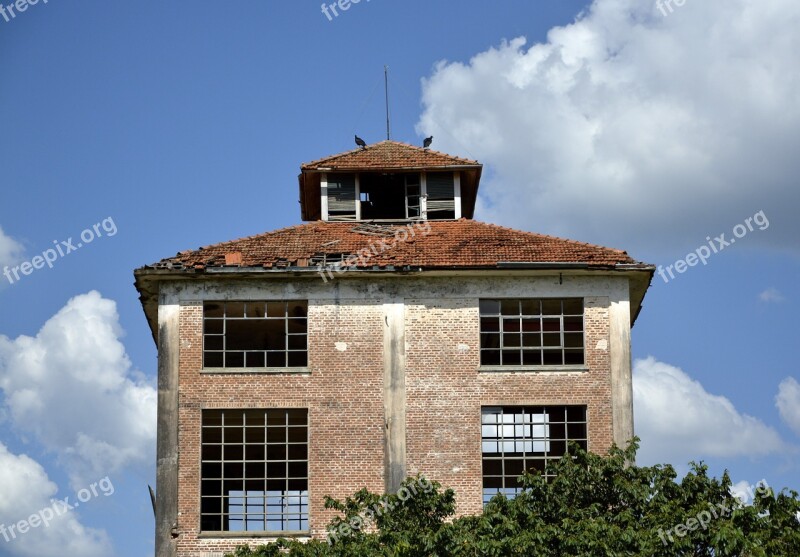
254,470
292,351
532,331
518,438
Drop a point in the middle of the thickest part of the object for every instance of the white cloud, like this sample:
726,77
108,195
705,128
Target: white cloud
747,492
635,130
73,389
740,490
788,403
679,421
10,250
26,489
771,295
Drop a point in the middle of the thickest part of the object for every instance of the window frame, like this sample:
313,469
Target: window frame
543,348
438,205
547,424
335,205
419,196
336,208
288,351
304,517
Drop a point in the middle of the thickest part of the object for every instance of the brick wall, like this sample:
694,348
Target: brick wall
343,391
445,391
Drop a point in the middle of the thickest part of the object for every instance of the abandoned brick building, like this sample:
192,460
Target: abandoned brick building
389,335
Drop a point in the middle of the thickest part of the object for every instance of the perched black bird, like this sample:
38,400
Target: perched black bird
361,143
427,142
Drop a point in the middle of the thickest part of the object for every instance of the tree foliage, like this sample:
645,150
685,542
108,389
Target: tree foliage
595,506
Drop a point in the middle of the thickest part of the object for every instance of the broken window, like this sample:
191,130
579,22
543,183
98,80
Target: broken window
413,193
525,438
440,188
391,196
254,470
384,196
532,332
255,334
341,197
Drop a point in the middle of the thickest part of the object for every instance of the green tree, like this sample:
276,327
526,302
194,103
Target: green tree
594,506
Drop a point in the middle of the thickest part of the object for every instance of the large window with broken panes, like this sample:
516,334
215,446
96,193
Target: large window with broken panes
254,470
532,331
526,438
255,334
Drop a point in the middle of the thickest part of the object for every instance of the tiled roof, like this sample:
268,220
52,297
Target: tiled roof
463,243
388,155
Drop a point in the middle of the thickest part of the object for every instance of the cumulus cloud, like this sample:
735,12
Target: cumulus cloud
28,490
679,421
771,295
788,403
72,388
747,492
10,250
633,129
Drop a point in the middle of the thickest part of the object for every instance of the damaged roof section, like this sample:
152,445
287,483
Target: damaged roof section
460,244
420,246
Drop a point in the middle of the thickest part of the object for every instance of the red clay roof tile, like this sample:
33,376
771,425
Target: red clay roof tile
388,155
462,243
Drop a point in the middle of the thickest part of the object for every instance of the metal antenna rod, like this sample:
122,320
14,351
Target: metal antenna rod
386,86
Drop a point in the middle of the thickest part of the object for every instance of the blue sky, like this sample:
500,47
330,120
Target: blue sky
172,126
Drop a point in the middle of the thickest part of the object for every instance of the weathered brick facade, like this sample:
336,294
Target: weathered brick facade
343,387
